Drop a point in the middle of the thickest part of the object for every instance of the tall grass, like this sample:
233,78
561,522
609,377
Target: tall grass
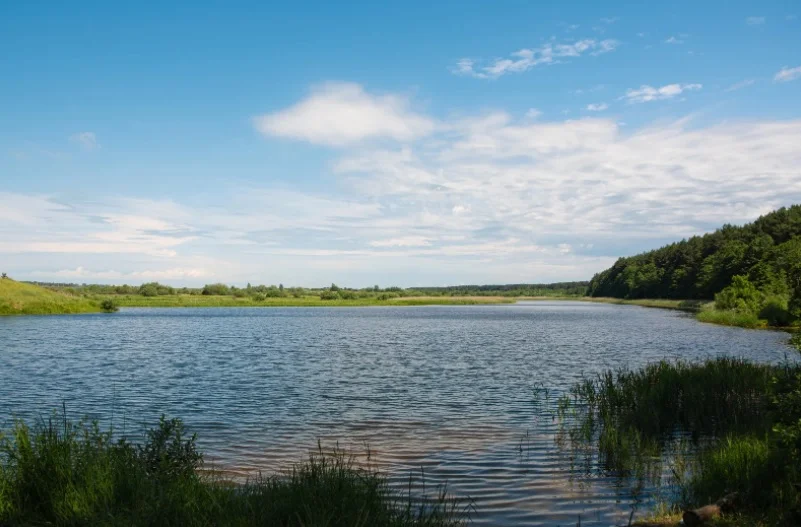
719,426
64,473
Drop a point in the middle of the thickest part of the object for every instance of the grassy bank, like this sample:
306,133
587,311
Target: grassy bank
61,473
714,428
181,300
17,298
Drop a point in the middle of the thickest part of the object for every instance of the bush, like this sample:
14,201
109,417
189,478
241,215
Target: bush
216,289
741,296
109,306
329,295
775,311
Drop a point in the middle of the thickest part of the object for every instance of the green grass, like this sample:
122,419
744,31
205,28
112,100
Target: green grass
17,298
306,301
731,318
715,427
62,473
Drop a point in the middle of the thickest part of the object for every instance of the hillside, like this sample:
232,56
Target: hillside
17,298
765,254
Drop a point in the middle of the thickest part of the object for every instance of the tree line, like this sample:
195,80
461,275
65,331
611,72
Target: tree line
755,267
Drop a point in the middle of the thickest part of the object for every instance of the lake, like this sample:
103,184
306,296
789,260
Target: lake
443,392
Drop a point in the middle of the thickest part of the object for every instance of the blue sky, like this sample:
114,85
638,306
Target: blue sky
405,144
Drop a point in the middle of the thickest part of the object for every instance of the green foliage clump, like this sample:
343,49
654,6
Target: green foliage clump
109,306
155,289
216,289
329,295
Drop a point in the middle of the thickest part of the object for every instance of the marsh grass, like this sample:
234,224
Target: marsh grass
731,318
17,298
712,428
64,473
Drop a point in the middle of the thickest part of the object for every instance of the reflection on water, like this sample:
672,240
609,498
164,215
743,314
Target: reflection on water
448,391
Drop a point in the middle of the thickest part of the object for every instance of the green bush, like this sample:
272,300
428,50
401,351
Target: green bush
775,311
216,289
329,295
109,306
740,296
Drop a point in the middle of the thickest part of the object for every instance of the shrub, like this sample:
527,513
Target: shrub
740,296
109,306
329,295
216,289
775,311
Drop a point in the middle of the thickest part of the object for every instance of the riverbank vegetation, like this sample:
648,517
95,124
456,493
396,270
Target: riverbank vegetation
154,294
753,272
64,473
703,431
18,298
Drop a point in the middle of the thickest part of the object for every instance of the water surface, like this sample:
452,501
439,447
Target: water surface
442,390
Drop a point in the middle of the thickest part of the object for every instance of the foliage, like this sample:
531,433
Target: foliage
216,289
109,305
766,252
61,473
721,426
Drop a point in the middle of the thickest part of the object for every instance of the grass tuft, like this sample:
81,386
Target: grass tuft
63,473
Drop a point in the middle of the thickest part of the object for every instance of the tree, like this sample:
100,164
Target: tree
4,276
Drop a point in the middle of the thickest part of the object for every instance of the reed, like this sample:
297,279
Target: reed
65,473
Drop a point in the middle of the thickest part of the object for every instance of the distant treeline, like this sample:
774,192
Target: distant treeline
333,292
764,256
556,289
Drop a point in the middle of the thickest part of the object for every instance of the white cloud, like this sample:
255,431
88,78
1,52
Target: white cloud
787,74
525,59
344,113
597,107
740,85
404,241
485,198
610,20
647,93
85,140
81,273
755,20
673,40
533,113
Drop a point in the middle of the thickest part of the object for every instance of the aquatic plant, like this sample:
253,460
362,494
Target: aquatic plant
65,473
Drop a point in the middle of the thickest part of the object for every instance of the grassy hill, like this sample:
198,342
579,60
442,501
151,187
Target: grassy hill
17,298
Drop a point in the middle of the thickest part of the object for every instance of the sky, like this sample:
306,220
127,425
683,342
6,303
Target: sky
390,143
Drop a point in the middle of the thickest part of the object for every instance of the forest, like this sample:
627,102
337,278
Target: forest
753,269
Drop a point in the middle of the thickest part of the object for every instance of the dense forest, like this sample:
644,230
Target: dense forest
754,268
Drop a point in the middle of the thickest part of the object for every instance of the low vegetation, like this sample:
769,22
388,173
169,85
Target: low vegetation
722,426
18,298
63,473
